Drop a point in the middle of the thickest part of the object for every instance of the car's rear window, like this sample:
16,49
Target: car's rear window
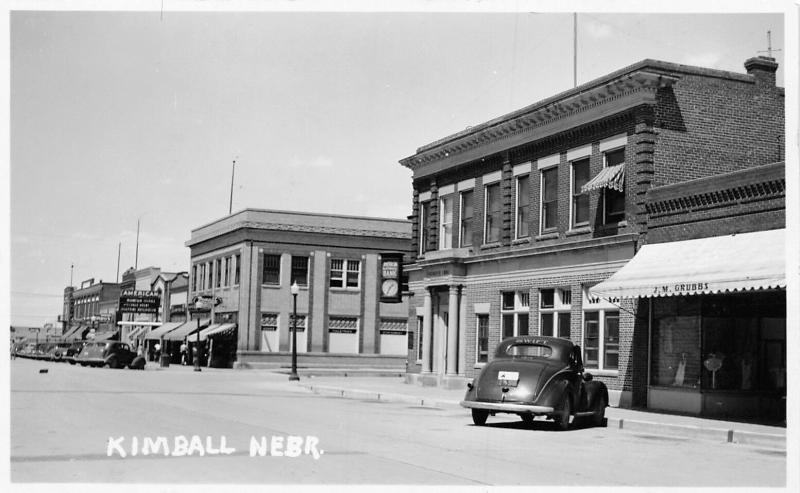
529,351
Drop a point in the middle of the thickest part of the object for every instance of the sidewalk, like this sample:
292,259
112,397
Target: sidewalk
394,389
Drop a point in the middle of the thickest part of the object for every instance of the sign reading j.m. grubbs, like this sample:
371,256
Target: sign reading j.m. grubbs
680,288
139,301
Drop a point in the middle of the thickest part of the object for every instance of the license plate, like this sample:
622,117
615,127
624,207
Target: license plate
508,378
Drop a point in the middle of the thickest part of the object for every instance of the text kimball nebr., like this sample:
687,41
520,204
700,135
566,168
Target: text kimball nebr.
182,446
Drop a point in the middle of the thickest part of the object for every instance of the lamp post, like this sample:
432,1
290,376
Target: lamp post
293,375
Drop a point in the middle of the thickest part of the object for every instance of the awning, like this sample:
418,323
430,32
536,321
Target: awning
185,330
393,327
718,264
156,333
213,330
611,177
105,336
74,332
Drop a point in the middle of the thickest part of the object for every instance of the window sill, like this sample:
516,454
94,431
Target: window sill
478,366
521,241
602,373
490,246
547,236
344,290
580,230
271,286
614,225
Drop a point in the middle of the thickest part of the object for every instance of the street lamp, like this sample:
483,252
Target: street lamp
293,375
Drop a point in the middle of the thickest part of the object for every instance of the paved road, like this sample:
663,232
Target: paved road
61,423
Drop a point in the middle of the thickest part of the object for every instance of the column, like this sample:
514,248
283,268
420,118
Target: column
427,332
452,330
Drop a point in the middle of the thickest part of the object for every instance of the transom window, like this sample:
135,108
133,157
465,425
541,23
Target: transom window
515,313
344,273
554,311
272,269
549,194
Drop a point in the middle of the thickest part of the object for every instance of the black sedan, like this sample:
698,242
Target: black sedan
110,354
537,376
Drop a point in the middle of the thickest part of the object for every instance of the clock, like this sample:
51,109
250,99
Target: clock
389,287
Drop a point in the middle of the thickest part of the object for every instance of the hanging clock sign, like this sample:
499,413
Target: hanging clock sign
391,272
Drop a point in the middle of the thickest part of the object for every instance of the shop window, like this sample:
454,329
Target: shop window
300,270
514,313
493,219
271,271
580,200
344,273
675,356
554,312
467,211
218,272
482,339
523,206
446,222
613,200
549,194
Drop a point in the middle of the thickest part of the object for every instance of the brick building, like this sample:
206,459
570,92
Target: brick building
249,260
90,309
516,219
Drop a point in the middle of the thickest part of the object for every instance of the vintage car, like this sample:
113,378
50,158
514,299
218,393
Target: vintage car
537,376
57,351
72,351
111,354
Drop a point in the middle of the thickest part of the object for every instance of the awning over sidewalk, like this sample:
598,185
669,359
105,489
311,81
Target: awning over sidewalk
163,329
213,330
185,330
105,336
611,177
718,264
74,333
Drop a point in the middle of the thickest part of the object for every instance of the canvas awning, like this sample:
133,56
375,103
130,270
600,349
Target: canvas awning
213,330
185,330
718,264
610,177
75,332
163,329
105,336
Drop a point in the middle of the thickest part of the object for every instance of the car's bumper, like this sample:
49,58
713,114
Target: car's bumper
507,407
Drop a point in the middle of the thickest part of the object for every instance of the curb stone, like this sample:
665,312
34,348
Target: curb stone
774,441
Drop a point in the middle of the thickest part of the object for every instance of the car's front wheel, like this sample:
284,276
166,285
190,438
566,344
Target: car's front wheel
479,416
111,362
599,416
563,413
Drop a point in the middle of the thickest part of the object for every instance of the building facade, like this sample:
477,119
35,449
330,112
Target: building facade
247,262
90,310
515,220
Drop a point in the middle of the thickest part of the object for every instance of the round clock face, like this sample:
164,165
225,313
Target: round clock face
389,287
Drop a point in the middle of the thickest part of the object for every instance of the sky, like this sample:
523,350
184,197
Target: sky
125,116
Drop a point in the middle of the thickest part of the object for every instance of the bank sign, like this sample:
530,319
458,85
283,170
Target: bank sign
139,301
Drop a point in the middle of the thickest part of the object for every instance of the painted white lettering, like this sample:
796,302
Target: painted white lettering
223,448
196,445
210,450
115,444
311,447
180,446
258,447
276,447
134,446
294,446
151,446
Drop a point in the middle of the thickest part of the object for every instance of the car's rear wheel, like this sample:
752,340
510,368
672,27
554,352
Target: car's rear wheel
111,362
527,418
563,413
599,416
479,416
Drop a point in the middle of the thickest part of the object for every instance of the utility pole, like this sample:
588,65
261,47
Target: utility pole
233,171
136,261
71,266
119,249
574,49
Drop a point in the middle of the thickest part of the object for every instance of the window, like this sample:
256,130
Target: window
424,218
202,277
218,272
613,200
523,205
446,222
210,275
420,325
494,214
549,198
482,339
194,278
600,333
514,313
271,272
580,200
237,267
344,273
227,271
300,271
554,312
467,211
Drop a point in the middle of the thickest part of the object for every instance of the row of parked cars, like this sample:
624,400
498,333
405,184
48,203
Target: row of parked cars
109,354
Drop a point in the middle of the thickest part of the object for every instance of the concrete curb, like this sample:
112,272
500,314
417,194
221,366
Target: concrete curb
767,440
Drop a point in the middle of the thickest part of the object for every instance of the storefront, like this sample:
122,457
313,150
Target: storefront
716,323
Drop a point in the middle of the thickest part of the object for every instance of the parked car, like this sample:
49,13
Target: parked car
72,351
57,351
537,376
111,354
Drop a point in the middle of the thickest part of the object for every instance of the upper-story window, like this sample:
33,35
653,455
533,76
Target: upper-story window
549,194
218,272
467,211
194,277
299,270
614,198
580,200
271,272
344,273
523,206
493,217
424,220
227,271
446,222
237,267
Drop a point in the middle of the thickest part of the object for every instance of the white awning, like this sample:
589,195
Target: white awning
211,330
611,177
718,264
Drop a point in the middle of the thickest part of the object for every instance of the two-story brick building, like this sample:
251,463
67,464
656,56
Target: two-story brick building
516,219
249,260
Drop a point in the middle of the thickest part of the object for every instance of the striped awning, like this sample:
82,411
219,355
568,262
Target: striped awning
612,177
75,332
186,330
718,264
156,333
214,330
393,326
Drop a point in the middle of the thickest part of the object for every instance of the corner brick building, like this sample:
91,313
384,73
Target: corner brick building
516,220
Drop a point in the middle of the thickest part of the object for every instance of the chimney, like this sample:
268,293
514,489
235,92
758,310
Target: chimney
763,69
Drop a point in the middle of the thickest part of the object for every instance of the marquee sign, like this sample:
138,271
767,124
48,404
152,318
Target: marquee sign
139,301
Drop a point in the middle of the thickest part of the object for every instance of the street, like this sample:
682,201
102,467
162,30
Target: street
74,424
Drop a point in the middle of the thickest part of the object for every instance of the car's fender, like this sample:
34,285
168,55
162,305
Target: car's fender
553,392
594,391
